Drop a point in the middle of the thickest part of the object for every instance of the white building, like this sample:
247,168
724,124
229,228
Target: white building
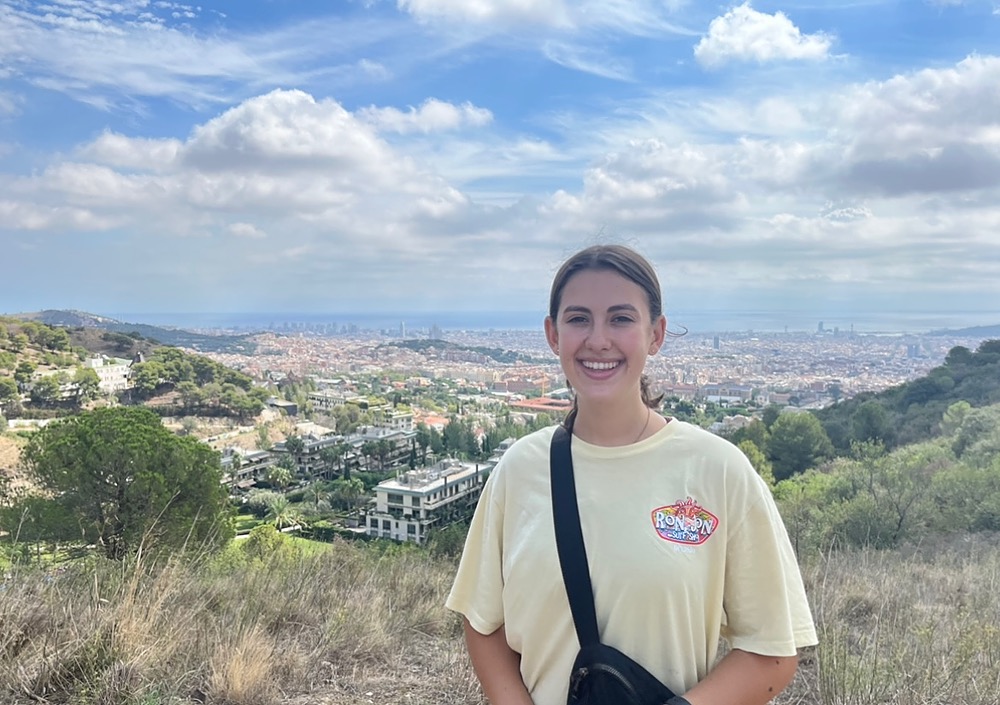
111,371
408,507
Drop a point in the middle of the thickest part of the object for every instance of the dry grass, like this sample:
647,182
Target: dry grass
353,625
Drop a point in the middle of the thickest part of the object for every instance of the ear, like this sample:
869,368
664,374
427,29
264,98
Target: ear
659,334
552,335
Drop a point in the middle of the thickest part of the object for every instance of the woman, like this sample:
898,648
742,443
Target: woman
664,594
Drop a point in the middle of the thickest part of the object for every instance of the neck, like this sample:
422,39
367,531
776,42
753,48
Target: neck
618,426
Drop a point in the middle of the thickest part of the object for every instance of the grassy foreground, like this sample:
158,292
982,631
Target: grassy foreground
360,624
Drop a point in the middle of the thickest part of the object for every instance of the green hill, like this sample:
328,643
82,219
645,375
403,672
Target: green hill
175,337
911,412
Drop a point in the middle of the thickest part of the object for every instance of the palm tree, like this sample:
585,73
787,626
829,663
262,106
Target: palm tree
283,514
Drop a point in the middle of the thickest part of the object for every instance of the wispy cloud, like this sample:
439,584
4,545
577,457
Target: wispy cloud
431,116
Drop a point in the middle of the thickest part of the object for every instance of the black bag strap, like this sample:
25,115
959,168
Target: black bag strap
569,539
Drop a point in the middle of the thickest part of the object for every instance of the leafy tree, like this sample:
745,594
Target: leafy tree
369,449
47,390
976,425
88,384
146,377
263,437
264,542
295,445
798,442
259,502
770,415
758,460
871,422
755,432
958,355
24,371
423,440
953,417
19,342
8,389
127,481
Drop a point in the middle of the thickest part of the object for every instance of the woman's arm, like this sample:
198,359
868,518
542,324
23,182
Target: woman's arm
743,678
497,666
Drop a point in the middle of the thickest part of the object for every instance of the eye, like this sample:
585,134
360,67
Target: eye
576,318
622,319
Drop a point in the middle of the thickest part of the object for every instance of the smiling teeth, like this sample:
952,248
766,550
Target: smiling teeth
600,365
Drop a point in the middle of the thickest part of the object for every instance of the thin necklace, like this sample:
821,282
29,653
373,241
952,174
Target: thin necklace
649,415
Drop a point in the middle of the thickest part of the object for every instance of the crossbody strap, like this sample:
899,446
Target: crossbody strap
569,539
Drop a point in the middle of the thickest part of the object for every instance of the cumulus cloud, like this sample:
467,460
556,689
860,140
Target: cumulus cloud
885,183
431,116
743,34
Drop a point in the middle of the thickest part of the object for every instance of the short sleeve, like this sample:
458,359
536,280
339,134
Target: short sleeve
765,603
477,591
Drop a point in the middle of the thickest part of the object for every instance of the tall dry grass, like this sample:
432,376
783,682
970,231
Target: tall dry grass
356,624
913,626
236,631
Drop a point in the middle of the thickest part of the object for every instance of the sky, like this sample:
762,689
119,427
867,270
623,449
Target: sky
825,158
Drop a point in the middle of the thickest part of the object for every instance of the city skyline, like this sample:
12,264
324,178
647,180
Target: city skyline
821,162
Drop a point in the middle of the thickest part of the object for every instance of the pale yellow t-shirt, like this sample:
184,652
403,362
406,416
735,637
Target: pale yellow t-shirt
684,544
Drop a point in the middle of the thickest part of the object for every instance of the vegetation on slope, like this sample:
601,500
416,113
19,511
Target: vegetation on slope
911,412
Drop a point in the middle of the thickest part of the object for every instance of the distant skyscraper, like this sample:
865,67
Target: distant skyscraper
819,328
715,342
402,329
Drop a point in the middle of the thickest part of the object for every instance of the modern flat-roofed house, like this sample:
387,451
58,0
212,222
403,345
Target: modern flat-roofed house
407,507
112,372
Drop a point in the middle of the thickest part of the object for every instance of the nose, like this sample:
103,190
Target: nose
598,339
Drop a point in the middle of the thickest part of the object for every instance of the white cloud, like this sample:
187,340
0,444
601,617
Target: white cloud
743,34
118,150
587,60
637,17
113,54
547,12
432,116
890,183
248,230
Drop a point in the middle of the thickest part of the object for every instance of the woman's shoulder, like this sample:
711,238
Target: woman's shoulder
530,445
702,438
711,452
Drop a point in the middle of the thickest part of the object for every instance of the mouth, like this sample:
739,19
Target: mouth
600,366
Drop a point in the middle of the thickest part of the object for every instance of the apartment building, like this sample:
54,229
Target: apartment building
406,508
113,372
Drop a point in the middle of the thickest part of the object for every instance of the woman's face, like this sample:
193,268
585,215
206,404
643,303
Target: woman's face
602,334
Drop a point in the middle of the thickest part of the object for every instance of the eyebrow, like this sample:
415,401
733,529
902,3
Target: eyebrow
611,309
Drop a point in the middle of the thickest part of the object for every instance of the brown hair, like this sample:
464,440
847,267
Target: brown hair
627,263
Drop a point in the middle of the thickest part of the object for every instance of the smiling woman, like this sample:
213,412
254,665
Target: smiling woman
682,537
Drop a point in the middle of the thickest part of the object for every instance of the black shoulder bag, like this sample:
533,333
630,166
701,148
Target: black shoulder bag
602,675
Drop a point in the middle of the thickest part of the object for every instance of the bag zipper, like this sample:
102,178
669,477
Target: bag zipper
581,673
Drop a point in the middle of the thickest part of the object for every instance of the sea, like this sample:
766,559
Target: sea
694,321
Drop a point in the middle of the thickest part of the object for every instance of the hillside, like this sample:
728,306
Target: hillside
176,337
42,374
911,412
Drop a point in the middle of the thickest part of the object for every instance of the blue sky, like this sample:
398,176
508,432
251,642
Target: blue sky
824,158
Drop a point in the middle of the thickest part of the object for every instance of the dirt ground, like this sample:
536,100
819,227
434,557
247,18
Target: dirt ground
10,453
